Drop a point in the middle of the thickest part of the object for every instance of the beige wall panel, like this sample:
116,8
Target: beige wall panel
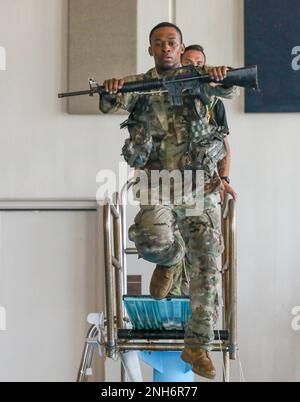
102,44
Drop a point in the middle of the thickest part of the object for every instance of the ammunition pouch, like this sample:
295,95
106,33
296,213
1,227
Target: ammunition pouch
138,147
206,147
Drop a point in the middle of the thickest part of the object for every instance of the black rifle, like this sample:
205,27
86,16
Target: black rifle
245,77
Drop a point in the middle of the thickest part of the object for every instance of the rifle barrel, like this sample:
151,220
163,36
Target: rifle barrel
76,93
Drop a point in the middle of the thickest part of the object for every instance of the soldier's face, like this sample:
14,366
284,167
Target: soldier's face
193,57
166,48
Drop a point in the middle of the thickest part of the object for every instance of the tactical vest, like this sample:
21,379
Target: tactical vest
203,143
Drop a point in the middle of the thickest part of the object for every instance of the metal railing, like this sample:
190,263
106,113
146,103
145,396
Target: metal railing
229,281
116,251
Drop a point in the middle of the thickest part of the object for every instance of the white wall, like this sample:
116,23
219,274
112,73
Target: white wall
45,152
48,273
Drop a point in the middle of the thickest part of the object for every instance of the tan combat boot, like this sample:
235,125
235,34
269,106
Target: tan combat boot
161,281
200,361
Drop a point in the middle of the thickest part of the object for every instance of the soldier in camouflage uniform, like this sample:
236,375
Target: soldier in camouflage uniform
195,55
164,137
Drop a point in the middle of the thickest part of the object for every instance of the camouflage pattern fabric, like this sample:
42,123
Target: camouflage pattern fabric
164,137
164,235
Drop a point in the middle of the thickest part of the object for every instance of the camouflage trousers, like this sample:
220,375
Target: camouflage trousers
164,235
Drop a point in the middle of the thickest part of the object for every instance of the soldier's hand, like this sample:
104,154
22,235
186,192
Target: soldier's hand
218,73
113,85
227,189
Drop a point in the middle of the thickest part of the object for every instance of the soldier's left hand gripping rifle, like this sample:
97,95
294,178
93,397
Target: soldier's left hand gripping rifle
245,77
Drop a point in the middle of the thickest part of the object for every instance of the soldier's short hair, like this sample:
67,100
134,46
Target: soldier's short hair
198,48
163,25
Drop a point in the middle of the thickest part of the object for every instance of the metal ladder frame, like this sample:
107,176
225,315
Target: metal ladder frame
115,248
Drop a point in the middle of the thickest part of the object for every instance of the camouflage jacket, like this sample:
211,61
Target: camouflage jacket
165,137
